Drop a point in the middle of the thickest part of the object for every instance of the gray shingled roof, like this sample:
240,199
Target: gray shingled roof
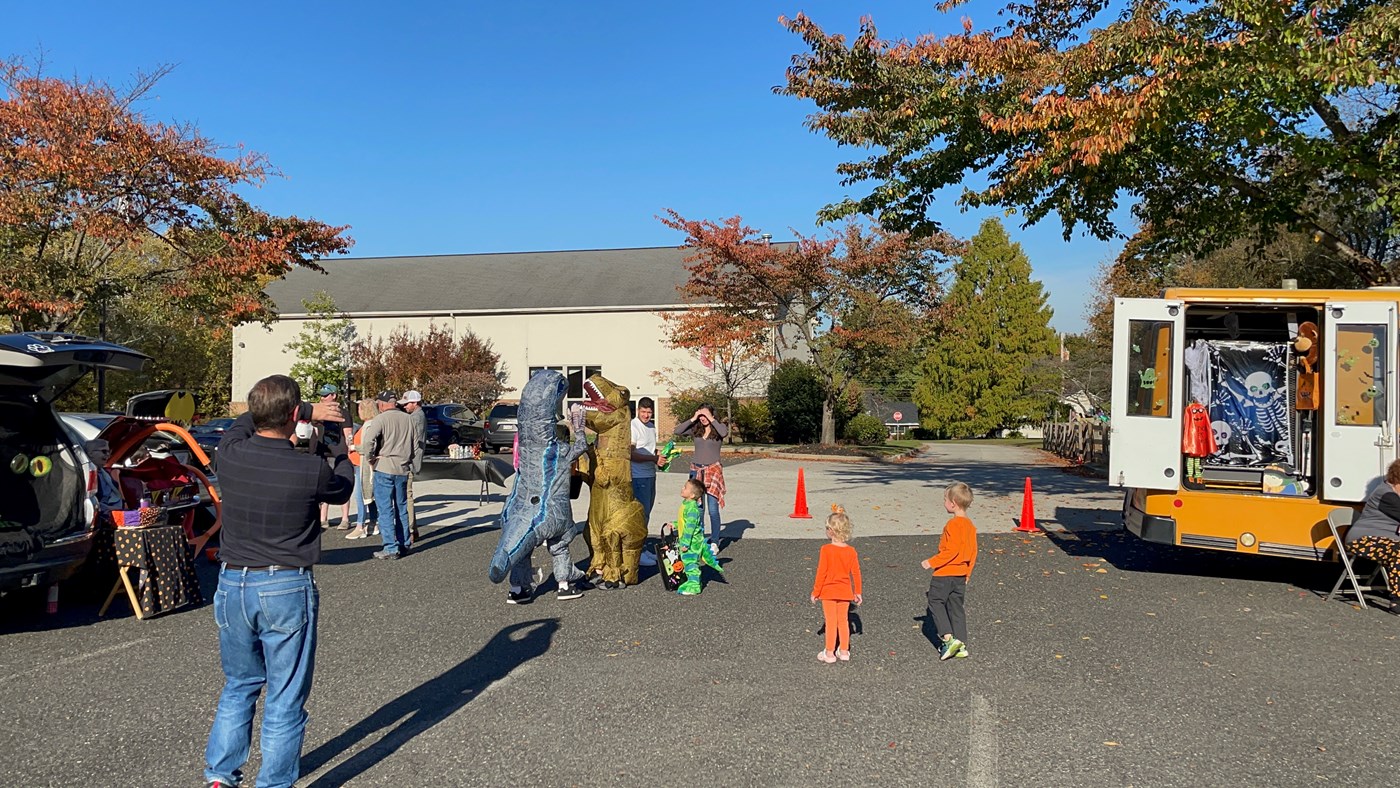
468,282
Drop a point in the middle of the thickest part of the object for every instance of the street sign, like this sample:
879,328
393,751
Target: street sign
898,416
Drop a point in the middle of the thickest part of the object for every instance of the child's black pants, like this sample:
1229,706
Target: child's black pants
945,606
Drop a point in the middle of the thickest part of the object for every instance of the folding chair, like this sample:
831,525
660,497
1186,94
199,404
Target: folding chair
1339,520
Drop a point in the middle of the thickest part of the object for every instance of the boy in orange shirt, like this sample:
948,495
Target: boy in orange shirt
952,566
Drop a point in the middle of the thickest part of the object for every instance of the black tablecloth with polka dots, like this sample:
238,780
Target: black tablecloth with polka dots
167,580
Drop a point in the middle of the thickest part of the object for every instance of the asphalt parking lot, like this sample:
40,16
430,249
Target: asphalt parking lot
1097,660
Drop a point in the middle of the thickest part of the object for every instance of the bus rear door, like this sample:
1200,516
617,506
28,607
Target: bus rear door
1146,413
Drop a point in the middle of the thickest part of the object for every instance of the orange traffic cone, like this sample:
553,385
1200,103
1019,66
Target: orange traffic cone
1027,523
799,507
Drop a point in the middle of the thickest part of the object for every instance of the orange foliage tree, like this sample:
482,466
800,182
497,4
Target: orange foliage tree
445,368
86,180
1218,120
810,296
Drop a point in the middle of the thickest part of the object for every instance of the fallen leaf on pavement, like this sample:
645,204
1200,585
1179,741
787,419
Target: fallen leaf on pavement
1101,571
1110,744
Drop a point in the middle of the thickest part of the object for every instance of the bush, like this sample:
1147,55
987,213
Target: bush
866,430
754,422
795,403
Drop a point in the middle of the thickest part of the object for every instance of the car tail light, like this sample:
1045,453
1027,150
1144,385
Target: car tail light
92,481
486,425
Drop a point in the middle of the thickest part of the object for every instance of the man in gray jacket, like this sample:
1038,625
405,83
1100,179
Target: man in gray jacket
412,404
391,448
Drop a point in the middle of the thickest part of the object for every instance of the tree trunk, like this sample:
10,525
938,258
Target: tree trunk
828,422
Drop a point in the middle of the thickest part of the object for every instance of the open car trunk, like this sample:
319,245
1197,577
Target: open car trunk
42,481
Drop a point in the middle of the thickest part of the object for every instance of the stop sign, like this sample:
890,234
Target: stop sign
898,416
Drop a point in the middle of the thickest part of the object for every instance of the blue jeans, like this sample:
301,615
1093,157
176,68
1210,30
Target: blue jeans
359,496
267,638
391,497
644,490
711,504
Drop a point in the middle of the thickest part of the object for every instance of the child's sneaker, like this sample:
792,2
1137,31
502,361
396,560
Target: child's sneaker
962,652
648,558
568,591
843,655
826,657
950,648
522,597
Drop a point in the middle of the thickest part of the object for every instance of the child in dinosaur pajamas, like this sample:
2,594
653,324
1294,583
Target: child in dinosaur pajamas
690,538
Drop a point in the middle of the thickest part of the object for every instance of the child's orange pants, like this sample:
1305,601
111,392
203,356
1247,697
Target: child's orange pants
838,621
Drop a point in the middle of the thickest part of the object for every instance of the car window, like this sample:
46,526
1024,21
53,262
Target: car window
459,412
504,412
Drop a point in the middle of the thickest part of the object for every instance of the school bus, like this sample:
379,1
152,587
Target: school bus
1241,417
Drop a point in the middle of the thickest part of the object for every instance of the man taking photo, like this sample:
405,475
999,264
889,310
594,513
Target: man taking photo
266,604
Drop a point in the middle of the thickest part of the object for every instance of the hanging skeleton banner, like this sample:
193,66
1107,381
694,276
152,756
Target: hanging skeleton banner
1249,403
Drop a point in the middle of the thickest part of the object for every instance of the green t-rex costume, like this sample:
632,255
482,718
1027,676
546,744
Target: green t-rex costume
616,523
690,540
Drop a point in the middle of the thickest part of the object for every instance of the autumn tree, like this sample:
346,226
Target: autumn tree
86,180
798,292
323,345
444,367
188,351
979,375
1218,120
727,359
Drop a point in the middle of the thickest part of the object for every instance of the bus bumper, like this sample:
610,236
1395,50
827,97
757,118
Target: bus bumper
1148,527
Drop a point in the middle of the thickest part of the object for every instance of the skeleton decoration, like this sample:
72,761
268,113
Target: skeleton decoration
1249,406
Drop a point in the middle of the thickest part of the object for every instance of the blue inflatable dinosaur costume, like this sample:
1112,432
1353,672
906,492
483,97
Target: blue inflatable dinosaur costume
538,510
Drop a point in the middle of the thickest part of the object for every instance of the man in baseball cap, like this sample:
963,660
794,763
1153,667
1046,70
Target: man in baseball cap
412,403
327,389
388,396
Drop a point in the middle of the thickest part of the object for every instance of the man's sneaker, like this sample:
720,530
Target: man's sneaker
385,555
357,533
568,592
522,597
962,652
648,558
950,648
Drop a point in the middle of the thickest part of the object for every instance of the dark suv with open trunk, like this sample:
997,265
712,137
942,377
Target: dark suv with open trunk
47,483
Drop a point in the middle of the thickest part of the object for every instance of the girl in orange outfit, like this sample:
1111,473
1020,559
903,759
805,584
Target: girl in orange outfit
837,585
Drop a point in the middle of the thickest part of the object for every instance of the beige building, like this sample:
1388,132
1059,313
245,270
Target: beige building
580,312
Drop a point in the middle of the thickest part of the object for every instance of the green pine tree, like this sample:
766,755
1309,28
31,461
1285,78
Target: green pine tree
980,373
323,346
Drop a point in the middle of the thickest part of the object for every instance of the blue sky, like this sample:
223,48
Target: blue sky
510,127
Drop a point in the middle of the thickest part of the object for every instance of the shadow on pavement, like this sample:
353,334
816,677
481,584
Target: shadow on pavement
1128,553
431,702
984,478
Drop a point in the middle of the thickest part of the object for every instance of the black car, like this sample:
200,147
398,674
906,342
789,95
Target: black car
452,423
48,485
208,434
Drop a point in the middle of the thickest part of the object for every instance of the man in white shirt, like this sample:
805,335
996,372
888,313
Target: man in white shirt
644,464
